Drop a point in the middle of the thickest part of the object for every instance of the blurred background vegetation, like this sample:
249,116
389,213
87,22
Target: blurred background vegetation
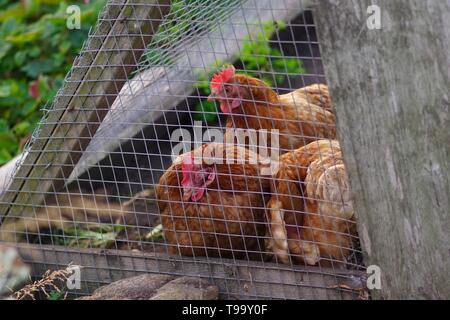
36,51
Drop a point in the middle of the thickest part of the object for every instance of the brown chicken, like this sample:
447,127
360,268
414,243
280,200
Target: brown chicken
310,213
251,104
214,208
316,94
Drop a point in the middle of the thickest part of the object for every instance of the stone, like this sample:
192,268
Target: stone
187,288
156,287
141,287
14,273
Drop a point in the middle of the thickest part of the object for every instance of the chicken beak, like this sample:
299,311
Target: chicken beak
212,97
187,194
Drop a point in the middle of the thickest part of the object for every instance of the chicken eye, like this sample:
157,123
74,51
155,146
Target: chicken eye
228,89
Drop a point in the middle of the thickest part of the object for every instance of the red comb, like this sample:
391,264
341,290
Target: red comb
222,76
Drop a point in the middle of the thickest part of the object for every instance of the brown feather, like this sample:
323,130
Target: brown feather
299,122
316,94
327,227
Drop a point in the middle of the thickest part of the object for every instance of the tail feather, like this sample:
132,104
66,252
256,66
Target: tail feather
284,212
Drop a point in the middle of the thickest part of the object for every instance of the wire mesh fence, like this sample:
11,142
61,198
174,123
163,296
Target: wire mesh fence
192,138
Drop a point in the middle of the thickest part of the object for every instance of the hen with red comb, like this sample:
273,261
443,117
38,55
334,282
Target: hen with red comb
214,208
252,104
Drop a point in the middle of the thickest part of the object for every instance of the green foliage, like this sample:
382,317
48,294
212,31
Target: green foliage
156,235
36,52
185,19
56,295
259,59
98,236
268,62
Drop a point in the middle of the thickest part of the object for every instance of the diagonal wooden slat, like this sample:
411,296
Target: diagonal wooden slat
112,52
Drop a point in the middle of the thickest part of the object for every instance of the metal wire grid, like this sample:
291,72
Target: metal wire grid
112,203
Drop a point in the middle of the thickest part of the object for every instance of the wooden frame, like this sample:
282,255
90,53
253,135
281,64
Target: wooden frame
239,278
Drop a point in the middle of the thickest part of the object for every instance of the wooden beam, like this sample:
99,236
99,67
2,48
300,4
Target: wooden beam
97,76
235,278
390,91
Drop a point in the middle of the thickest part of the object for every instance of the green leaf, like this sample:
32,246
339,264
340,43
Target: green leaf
5,156
10,26
22,128
31,6
5,90
29,107
281,25
4,48
206,111
20,57
24,37
202,85
279,79
8,142
64,46
156,234
38,67
34,52
9,88
4,127
56,295
15,11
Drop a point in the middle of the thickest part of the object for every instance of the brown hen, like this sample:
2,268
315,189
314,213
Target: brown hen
315,93
251,104
310,214
214,209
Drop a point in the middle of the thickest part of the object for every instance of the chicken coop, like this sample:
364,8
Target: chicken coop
116,178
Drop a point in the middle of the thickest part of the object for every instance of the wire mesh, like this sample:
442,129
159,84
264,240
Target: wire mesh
103,176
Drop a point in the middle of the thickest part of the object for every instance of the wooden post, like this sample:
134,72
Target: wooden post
110,55
390,89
